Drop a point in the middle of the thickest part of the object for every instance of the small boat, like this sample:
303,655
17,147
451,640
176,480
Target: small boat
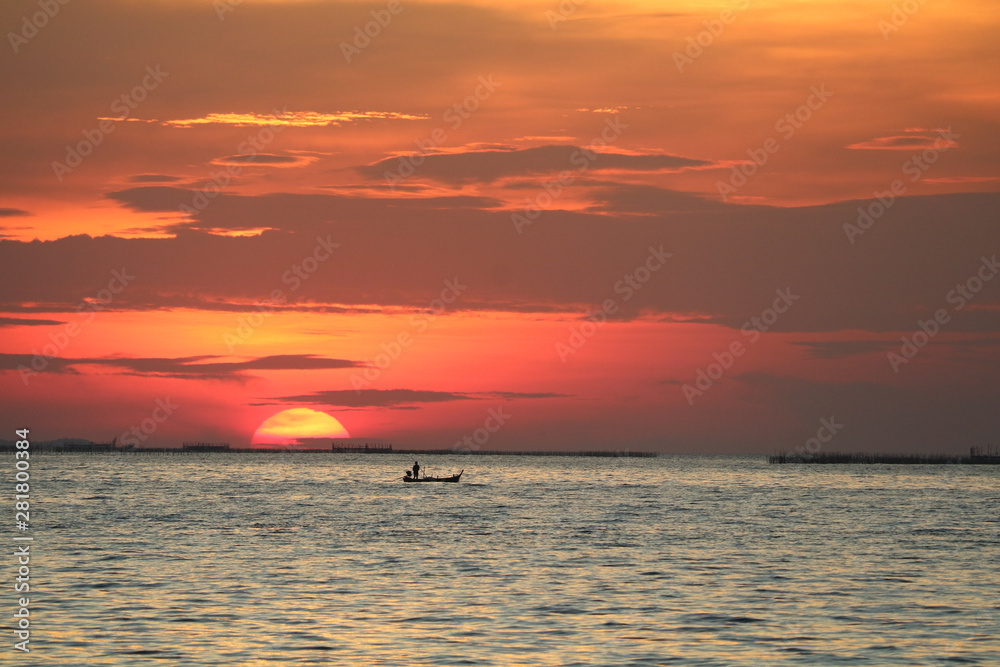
453,478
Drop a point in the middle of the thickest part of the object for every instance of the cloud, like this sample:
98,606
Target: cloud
281,209
125,302
20,322
649,200
153,178
127,119
536,138
13,213
290,118
401,398
903,143
839,349
153,198
382,398
610,110
265,159
516,395
197,367
486,166
726,263
962,179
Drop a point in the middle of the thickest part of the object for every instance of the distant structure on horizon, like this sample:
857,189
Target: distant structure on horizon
989,454
366,448
205,446
67,445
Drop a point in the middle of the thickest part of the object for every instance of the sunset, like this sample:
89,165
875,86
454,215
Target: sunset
298,426
700,233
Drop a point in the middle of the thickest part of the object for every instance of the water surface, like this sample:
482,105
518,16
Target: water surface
216,559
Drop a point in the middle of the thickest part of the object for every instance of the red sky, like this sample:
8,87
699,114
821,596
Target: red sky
551,210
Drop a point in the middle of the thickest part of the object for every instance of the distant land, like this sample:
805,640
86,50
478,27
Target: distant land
976,456
82,446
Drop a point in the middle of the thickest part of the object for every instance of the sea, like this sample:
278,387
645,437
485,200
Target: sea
322,559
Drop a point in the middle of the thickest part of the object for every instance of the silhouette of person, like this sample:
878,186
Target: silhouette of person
416,470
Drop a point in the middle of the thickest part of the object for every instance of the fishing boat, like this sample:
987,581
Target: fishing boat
453,478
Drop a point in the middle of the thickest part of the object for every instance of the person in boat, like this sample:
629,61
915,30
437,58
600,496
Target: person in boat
416,470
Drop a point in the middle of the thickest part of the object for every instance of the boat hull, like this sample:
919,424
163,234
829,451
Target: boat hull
453,478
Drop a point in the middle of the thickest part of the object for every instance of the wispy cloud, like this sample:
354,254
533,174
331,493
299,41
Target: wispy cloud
558,270
13,213
903,143
402,398
291,118
486,166
199,367
962,179
154,178
839,349
22,322
266,160
605,109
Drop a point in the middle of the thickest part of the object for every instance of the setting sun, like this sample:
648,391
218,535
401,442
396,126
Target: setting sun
296,427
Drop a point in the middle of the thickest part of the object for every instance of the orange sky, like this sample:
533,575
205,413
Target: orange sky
240,206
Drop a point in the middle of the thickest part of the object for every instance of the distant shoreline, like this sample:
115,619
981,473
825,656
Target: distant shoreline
892,459
976,457
105,449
